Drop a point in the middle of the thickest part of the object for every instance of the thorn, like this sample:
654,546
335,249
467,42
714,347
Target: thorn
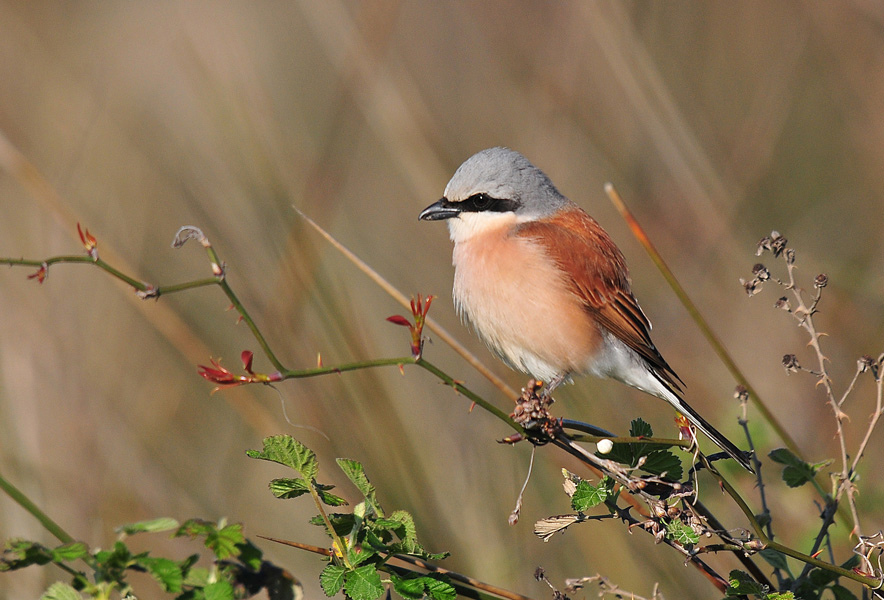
318,360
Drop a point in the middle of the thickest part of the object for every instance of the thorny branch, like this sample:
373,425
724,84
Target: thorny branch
803,307
657,493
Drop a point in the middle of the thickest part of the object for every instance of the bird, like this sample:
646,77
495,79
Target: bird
546,288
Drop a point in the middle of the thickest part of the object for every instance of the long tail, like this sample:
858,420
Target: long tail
713,434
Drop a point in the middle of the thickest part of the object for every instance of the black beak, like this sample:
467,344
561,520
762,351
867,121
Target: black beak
443,209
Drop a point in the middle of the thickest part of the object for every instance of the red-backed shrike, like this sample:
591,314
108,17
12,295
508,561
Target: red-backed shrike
544,285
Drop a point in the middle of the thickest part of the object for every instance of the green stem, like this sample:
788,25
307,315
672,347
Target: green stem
461,389
44,519
632,440
354,366
338,543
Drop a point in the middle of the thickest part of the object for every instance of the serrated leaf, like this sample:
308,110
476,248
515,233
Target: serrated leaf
224,542
355,472
740,582
640,428
363,583
410,588
407,530
439,588
775,559
167,572
663,461
630,453
842,593
402,524
332,579
285,488
195,527
287,451
415,587
780,596
681,533
219,590
150,526
797,472
341,522
19,554
198,577
587,495
61,591
796,477
69,552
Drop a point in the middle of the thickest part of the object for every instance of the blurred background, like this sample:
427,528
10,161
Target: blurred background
717,121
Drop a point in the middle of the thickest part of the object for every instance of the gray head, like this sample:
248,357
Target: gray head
497,180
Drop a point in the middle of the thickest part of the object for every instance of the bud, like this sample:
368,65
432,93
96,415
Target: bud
790,363
761,273
783,304
821,281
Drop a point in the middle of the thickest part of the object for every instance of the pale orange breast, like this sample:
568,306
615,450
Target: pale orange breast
515,298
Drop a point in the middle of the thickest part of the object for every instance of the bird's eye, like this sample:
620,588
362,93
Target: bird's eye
482,201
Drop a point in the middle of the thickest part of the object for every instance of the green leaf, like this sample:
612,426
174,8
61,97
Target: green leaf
221,538
225,542
61,591
659,458
286,488
780,596
342,523
69,552
219,590
663,461
289,488
151,526
784,456
250,555
795,477
439,588
587,495
402,524
332,579
19,554
681,533
288,451
842,593
167,572
775,559
363,583
194,528
355,472
639,428
797,472
741,583
415,587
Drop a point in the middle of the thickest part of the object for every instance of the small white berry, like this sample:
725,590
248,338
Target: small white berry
604,446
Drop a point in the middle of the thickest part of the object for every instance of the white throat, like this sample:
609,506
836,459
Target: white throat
470,224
